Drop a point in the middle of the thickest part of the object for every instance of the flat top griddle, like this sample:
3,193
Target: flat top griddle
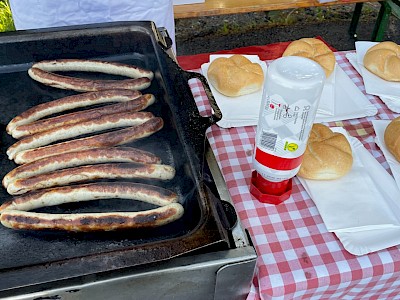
32,257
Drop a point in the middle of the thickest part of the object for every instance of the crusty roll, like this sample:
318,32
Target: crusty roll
383,60
235,76
313,49
328,155
392,138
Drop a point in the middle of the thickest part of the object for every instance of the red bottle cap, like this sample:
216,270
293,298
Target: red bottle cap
270,192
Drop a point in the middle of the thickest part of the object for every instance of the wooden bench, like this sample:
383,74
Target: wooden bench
223,7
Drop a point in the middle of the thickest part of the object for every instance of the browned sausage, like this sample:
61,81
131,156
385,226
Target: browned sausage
65,132
91,172
92,191
106,221
71,102
109,139
89,65
80,158
86,85
75,117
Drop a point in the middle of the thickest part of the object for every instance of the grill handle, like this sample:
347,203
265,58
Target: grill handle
217,114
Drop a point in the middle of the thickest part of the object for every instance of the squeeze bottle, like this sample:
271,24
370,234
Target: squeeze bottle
292,90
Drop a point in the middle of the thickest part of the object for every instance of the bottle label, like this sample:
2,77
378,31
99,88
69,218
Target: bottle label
284,128
275,175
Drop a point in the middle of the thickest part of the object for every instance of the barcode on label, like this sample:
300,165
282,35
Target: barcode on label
268,140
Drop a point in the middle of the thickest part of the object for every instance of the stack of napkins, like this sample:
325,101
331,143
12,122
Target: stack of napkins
388,91
348,100
362,208
340,100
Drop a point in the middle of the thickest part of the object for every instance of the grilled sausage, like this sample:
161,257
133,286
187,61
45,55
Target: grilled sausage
71,102
92,191
108,139
88,65
107,221
86,85
138,104
84,157
65,132
91,172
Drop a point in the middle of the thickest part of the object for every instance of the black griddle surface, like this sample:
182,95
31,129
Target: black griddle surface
133,43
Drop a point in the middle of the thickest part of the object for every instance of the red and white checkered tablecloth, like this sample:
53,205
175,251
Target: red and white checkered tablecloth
297,257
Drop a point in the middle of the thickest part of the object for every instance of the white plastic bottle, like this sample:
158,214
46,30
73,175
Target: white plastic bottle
291,95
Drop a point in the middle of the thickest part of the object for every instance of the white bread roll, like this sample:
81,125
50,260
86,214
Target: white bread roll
328,155
392,138
235,76
383,60
314,49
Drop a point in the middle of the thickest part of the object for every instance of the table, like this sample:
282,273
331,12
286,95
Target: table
297,257
222,7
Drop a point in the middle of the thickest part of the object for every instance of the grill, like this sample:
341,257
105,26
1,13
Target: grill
205,242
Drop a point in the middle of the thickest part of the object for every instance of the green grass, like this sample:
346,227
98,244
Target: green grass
6,21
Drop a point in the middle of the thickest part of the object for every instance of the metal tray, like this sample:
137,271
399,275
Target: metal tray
30,258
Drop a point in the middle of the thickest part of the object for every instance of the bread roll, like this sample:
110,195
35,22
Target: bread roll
392,138
313,49
235,76
328,155
383,60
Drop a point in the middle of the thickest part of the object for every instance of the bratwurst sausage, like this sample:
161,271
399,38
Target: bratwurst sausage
108,221
108,139
135,105
65,132
91,172
86,85
92,191
88,65
80,158
71,102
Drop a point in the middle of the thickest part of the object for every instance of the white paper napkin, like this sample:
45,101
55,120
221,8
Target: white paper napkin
362,203
375,85
380,127
393,103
